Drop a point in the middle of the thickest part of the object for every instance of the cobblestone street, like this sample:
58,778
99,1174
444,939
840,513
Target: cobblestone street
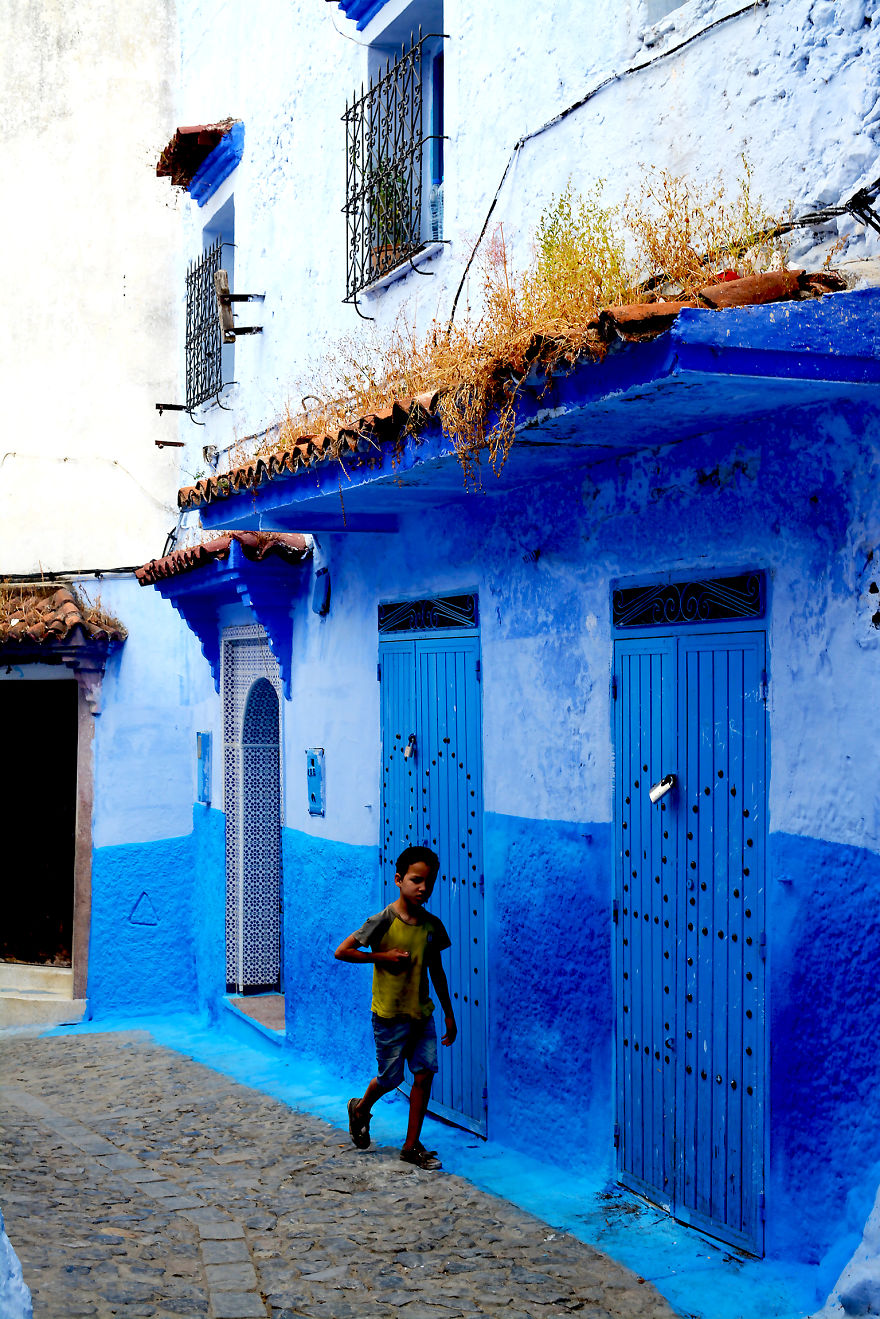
138,1182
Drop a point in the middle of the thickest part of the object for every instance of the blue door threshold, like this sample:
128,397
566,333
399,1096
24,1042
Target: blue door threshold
261,1014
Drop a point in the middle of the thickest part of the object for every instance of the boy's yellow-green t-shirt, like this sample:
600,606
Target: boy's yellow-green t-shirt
402,992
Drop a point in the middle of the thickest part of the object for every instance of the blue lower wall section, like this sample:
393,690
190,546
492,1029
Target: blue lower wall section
158,944
329,890
209,906
548,903
157,922
548,897
824,1002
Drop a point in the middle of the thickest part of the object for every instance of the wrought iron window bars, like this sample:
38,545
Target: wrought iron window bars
385,168
209,325
204,366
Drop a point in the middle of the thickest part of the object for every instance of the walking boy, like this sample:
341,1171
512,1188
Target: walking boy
405,943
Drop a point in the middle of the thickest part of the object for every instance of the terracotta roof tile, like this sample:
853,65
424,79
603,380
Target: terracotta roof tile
29,616
255,545
187,150
629,323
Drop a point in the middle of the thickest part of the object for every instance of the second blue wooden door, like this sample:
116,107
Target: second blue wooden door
432,795
690,927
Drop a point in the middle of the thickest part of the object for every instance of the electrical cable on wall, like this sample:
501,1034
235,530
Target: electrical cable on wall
64,575
862,204
94,458
576,105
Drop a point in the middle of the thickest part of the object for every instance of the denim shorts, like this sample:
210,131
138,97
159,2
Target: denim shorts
404,1039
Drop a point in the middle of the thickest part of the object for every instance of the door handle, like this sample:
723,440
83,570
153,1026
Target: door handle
660,789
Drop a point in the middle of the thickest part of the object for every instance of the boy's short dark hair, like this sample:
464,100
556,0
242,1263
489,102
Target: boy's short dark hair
412,855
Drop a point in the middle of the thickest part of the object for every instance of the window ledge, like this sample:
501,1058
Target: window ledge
424,254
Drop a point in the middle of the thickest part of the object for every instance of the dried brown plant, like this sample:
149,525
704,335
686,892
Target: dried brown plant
668,240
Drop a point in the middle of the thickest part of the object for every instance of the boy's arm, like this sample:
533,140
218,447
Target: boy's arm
351,951
438,980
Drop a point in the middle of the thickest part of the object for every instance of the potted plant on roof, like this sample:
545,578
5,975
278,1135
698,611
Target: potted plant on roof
393,225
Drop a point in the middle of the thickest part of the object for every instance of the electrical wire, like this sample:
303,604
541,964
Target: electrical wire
577,105
28,578
347,35
91,458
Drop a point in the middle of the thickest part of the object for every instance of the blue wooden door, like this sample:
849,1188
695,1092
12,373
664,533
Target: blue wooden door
432,795
647,918
690,931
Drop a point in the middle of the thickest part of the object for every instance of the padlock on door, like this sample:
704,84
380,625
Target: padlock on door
410,748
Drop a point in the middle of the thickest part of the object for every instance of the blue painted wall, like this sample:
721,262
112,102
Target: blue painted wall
142,951
209,905
329,890
157,863
550,989
824,1028
794,496
158,933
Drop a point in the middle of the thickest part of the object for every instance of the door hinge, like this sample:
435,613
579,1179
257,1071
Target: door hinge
485,1096
764,682
614,686
762,1207
615,910
479,672
762,946
379,671
617,1136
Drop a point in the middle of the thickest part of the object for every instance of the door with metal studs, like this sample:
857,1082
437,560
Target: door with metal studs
689,932
432,795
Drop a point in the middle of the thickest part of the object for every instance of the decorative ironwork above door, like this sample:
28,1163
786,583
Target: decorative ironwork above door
665,604
459,611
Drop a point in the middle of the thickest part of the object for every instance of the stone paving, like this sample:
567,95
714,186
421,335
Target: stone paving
136,1182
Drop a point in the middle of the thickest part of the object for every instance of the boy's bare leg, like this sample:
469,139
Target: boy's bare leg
419,1095
372,1094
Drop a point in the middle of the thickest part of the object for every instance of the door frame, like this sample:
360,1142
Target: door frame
756,618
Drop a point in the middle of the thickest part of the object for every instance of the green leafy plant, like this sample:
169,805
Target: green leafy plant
390,205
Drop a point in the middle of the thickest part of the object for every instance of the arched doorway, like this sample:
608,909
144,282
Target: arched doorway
253,818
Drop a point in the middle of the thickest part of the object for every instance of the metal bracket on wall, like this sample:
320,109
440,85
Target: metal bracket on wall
229,331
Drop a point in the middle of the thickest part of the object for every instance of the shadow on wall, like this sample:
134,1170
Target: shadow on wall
825,1102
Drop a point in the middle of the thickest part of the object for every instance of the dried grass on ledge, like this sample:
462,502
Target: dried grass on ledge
664,243
32,605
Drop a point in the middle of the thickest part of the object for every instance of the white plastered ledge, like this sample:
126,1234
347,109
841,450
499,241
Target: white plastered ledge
426,253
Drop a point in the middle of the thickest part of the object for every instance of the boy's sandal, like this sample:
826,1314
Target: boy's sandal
358,1126
421,1158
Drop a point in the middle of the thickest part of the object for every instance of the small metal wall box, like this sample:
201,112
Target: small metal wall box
203,774
315,779
321,592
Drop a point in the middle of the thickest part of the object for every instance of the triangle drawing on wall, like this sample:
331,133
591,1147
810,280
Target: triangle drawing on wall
143,912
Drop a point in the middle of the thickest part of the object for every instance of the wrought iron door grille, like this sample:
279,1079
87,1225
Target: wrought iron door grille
384,147
204,370
678,603
459,611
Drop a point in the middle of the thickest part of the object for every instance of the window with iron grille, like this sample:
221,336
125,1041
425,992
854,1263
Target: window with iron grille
394,164
210,363
204,361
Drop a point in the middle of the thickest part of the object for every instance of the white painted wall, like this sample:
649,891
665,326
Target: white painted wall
792,83
91,248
